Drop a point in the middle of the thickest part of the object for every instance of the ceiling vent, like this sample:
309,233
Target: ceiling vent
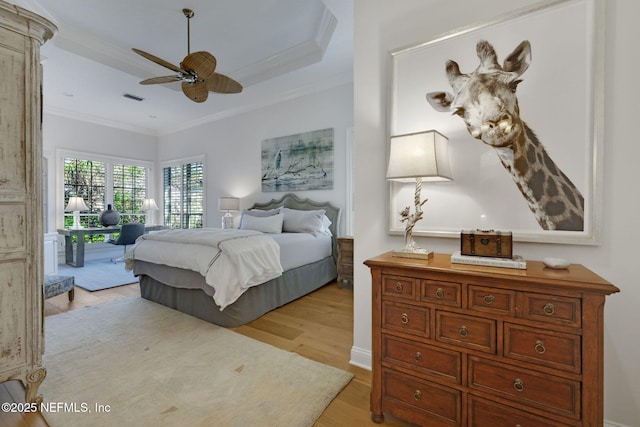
134,97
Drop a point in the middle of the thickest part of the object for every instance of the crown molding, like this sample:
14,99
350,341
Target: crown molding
88,118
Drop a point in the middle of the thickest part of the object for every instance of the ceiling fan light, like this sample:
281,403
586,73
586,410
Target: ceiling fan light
196,71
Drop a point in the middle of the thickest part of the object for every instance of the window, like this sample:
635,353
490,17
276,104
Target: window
129,191
85,178
101,181
184,195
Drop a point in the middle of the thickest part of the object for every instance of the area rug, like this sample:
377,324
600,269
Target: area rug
133,362
98,274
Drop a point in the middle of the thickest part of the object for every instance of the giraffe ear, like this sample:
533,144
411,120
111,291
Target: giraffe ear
440,101
513,85
519,60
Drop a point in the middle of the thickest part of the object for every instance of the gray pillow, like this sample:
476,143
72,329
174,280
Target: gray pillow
299,221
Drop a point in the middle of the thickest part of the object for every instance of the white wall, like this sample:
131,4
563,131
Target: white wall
382,26
61,133
232,147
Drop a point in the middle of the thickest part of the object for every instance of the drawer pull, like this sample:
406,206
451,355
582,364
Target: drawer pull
404,318
417,395
417,357
539,347
399,287
463,331
439,293
489,299
549,309
518,385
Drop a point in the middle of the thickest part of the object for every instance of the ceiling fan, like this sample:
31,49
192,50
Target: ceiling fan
196,71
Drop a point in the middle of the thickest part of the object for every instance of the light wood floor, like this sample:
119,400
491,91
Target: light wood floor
318,326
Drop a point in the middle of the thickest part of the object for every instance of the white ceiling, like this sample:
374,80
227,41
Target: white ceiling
277,49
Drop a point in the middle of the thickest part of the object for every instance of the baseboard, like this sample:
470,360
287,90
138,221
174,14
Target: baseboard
612,424
361,358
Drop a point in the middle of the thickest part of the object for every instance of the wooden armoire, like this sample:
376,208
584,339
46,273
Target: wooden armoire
21,220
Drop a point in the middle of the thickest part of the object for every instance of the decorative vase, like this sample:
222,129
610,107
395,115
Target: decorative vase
109,217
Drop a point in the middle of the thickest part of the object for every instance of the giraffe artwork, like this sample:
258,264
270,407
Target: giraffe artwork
486,100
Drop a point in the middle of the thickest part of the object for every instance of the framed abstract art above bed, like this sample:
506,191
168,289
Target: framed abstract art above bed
283,249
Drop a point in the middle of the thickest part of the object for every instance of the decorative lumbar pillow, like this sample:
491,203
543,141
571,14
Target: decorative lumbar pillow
298,221
266,224
258,213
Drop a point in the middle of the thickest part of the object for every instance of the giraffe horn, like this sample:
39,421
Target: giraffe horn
488,58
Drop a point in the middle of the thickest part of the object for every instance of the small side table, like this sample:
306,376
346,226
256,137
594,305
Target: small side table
345,261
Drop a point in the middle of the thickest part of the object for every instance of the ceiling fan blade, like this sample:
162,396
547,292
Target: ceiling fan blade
222,84
196,91
202,63
160,80
157,60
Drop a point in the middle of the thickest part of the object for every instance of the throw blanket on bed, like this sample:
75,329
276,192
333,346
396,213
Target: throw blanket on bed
231,261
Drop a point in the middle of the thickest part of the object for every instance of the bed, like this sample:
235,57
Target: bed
187,291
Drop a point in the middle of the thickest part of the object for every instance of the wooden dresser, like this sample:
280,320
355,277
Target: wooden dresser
345,261
457,345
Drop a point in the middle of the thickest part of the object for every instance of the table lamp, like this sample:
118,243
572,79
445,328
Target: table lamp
149,205
417,157
228,204
76,204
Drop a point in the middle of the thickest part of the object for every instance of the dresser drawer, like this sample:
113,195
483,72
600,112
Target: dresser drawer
439,292
427,400
424,359
398,286
551,309
490,300
484,413
466,331
546,392
552,349
406,318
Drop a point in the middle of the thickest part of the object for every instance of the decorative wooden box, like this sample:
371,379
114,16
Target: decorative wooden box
488,243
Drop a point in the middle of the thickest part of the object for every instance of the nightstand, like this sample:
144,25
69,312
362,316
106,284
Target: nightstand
345,261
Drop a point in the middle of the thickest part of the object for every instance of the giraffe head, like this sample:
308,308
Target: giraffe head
486,99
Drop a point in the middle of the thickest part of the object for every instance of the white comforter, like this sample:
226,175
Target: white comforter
231,261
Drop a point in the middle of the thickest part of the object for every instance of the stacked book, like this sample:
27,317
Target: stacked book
516,262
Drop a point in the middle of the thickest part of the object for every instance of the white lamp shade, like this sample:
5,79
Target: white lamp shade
76,204
229,204
149,205
419,155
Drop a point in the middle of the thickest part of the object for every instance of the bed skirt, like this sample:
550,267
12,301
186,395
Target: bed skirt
184,291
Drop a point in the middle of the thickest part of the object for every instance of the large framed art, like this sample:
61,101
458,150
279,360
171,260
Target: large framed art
520,100
303,161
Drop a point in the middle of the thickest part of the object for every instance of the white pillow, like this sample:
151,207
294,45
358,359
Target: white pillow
258,213
266,224
298,221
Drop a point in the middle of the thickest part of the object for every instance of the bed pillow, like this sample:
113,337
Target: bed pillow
326,222
298,221
258,213
265,224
